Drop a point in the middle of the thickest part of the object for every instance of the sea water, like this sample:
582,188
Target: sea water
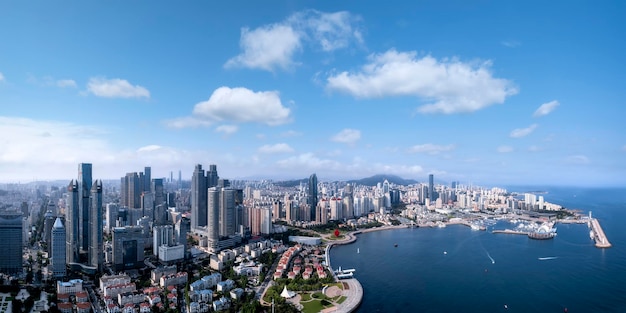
456,269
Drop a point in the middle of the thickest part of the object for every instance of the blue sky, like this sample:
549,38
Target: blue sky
488,92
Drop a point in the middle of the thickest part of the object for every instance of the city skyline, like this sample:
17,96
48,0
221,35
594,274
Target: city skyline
488,93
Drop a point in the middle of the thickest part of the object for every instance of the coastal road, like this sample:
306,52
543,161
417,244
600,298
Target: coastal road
353,294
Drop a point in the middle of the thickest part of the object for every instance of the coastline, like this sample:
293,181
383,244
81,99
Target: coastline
355,289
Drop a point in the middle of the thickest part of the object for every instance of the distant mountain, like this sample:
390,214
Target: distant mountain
291,183
392,179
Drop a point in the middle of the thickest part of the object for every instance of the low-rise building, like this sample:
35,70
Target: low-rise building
70,287
236,293
110,280
226,286
157,273
173,280
221,304
83,307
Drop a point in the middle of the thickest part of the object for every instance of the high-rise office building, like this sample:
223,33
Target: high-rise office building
128,245
72,222
147,178
112,213
84,192
198,198
48,222
11,230
58,249
162,235
96,252
431,188
131,190
212,177
312,199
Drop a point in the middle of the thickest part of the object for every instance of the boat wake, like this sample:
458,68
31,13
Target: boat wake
490,258
548,258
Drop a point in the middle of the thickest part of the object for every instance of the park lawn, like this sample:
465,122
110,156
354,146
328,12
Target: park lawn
305,297
341,299
314,306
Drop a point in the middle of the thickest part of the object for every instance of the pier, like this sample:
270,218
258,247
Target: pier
598,234
509,231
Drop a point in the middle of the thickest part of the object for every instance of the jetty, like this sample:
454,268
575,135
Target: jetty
598,234
509,231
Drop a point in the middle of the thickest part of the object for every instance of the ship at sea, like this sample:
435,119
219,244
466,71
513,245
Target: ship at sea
545,231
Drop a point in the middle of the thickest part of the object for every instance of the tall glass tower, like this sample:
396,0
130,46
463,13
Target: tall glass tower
312,195
198,198
84,189
72,223
431,187
96,252
58,249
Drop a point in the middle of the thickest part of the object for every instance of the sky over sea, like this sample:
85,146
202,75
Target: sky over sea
482,92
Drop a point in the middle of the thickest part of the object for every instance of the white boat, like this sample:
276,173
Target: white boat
592,235
357,250
475,227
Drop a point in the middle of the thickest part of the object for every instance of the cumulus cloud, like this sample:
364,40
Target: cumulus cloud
267,48
276,148
290,133
523,132
546,108
348,136
505,149
65,83
227,129
115,88
450,85
273,46
308,161
187,122
149,148
1,77
430,148
243,105
511,43
330,31
577,159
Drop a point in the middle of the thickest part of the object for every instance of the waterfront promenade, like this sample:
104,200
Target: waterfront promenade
599,236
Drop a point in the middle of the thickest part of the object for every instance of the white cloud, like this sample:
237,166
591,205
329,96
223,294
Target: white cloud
267,48
523,132
511,43
577,159
505,149
63,83
308,161
290,133
227,129
1,77
454,86
430,148
624,148
149,148
187,122
534,148
348,136
243,105
276,148
116,88
273,46
546,108
331,31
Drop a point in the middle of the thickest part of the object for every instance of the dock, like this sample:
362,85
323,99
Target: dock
599,236
508,231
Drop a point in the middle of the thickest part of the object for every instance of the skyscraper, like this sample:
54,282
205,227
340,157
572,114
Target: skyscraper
211,176
130,191
227,212
72,222
58,249
198,198
312,199
213,205
96,252
84,190
147,178
11,243
128,243
431,187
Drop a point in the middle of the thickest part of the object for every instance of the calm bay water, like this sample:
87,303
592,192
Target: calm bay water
455,269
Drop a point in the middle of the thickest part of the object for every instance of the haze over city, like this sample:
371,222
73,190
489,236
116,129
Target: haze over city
488,92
